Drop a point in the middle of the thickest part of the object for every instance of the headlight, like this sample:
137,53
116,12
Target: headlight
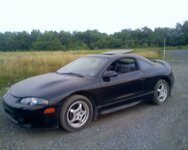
33,101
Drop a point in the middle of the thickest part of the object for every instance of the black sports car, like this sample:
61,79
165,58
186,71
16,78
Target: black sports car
87,87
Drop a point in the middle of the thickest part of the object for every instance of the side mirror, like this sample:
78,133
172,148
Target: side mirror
109,74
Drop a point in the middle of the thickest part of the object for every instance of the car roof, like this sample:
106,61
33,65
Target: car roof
116,54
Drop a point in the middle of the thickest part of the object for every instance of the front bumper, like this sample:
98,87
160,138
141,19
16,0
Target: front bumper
29,116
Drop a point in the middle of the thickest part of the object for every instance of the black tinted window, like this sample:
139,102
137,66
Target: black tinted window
123,65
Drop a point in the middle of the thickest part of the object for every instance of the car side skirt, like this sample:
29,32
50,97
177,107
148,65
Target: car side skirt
122,104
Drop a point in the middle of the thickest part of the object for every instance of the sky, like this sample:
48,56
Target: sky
107,16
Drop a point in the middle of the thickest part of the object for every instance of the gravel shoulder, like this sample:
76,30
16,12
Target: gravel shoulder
142,127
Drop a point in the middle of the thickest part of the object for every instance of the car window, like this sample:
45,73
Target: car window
123,65
144,65
85,66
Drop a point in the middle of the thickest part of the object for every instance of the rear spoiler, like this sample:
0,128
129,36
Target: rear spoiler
165,63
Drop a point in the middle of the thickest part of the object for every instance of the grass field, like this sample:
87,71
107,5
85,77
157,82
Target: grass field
15,66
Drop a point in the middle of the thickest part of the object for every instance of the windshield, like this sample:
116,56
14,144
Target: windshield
84,66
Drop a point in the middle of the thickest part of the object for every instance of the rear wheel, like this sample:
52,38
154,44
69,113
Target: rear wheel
76,113
161,92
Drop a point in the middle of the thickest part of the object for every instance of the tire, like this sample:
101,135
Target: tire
76,113
161,92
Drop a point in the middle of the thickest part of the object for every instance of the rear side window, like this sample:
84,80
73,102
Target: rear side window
123,65
144,64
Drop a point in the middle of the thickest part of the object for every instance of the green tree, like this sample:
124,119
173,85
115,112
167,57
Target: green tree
185,32
47,41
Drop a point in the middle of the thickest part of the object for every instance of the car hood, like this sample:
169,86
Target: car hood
48,86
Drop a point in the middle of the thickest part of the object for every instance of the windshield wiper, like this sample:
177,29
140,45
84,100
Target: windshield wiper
72,73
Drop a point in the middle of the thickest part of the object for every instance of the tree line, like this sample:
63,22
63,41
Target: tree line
93,39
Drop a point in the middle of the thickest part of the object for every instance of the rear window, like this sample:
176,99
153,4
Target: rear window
144,64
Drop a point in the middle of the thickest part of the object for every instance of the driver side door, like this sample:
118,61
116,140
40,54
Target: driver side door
128,83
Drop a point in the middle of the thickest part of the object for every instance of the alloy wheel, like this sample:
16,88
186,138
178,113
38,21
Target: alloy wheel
77,114
162,92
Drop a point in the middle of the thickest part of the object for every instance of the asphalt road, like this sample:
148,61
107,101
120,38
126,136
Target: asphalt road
143,127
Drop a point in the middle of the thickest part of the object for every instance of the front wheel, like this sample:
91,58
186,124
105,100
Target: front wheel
76,113
161,92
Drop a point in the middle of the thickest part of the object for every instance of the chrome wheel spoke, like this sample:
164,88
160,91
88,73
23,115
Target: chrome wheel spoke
73,111
158,90
162,92
78,114
162,87
80,107
73,119
160,95
80,119
83,113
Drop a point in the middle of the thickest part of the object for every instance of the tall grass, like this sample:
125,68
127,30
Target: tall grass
15,66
